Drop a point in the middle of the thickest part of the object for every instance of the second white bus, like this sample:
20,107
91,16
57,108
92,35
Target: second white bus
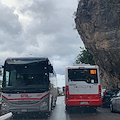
82,87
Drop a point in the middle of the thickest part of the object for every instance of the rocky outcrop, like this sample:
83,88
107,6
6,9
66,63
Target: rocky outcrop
98,23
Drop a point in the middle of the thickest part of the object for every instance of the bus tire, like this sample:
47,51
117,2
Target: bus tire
67,108
94,109
48,114
54,103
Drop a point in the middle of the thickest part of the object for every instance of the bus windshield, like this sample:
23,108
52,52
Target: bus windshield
31,75
87,75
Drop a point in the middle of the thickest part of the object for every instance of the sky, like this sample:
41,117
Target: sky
40,28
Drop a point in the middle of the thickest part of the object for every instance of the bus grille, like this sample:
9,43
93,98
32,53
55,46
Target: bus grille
22,102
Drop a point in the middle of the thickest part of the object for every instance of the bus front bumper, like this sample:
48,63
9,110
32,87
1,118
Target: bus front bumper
27,110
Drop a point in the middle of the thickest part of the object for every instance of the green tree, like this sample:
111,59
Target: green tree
85,57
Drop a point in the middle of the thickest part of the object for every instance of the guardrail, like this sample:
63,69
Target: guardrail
6,116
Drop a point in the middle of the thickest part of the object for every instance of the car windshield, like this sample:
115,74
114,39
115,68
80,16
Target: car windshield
111,92
118,94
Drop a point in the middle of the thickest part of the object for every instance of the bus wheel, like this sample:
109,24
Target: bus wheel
68,108
52,104
93,109
48,114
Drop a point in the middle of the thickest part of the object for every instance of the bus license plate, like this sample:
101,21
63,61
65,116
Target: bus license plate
24,110
84,103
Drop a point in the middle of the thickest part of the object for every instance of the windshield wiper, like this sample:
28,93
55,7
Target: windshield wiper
24,90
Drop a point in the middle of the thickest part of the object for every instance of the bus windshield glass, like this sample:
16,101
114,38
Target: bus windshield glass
30,75
87,75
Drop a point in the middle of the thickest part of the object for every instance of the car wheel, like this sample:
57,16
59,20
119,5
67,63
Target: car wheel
111,108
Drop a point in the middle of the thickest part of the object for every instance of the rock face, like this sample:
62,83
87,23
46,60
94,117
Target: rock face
98,23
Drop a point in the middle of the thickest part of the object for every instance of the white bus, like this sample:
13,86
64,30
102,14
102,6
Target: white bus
29,85
82,87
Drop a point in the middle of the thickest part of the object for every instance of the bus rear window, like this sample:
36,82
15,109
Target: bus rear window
87,75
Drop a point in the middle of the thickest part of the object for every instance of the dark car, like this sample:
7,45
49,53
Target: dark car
115,103
107,95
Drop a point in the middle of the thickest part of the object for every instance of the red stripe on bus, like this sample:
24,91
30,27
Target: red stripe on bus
25,98
74,100
93,102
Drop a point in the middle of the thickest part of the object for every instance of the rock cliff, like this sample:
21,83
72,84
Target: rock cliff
98,23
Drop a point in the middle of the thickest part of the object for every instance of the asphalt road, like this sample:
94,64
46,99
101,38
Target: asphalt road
59,113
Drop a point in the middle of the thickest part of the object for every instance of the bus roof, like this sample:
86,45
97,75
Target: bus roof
82,66
23,60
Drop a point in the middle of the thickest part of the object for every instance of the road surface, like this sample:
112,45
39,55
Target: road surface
59,113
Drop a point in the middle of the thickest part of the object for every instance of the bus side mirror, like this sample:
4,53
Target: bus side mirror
1,69
50,68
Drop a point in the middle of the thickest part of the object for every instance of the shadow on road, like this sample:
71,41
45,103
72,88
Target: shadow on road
81,110
32,116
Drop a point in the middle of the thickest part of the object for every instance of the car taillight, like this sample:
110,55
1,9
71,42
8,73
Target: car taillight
105,92
99,87
67,92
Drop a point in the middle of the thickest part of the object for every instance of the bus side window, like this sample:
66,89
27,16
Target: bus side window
52,77
13,78
7,77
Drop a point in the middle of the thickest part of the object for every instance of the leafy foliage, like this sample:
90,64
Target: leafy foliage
85,57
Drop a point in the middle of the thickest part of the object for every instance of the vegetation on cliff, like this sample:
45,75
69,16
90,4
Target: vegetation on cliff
85,57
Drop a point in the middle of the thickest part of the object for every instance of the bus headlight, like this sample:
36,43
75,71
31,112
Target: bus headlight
44,105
